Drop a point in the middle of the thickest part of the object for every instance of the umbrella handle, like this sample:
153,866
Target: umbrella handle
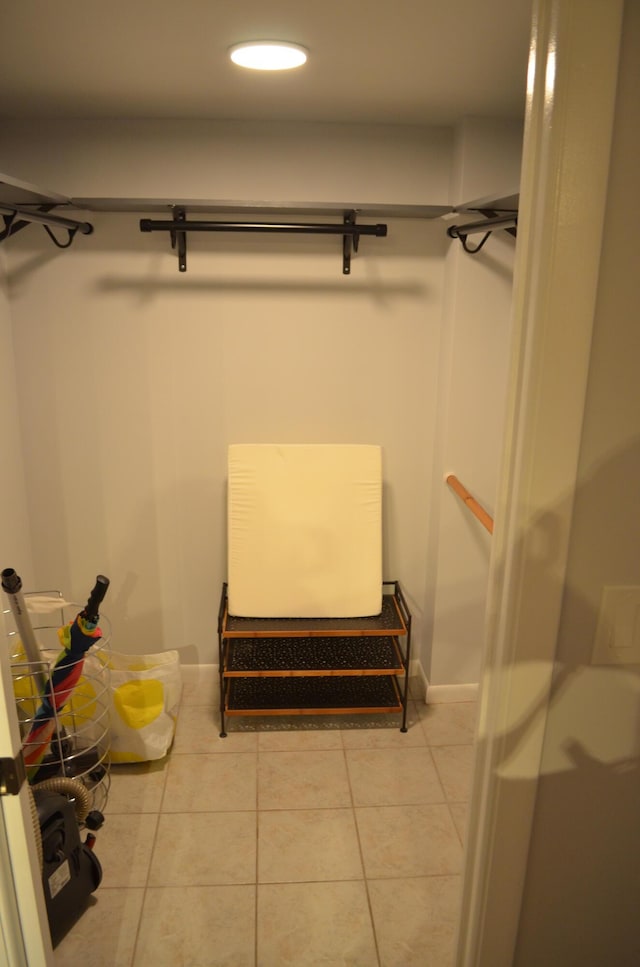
96,597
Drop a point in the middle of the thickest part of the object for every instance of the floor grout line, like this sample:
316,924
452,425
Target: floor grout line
258,752
361,853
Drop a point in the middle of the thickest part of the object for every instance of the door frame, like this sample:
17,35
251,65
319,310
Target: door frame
572,79
25,940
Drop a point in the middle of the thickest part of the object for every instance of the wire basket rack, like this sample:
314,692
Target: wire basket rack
79,744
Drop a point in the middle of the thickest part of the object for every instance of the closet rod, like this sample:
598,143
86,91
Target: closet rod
43,218
157,225
179,226
470,502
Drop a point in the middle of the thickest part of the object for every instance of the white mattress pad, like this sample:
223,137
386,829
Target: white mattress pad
304,530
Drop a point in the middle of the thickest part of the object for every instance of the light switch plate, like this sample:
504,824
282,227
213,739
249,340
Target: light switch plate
617,640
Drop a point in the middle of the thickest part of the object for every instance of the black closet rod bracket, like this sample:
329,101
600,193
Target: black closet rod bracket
179,226
13,224
490,224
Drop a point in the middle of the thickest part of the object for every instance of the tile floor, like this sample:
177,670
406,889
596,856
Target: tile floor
331,843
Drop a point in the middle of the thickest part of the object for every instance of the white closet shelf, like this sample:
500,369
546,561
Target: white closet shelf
14,192
507,202
22,203
20,193
284,207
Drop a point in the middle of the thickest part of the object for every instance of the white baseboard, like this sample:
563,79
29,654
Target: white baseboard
435,694
452,693
419,681
193,674
200,685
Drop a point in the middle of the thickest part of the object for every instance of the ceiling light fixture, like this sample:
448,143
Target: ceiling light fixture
268,55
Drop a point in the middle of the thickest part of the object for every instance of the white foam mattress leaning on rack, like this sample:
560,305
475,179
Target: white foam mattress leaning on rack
304,530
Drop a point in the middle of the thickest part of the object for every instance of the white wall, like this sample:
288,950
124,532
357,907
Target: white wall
134,378
487,159
471,403
582,892
260,340
232,160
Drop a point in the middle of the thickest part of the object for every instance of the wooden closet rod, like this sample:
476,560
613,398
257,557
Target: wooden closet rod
470,501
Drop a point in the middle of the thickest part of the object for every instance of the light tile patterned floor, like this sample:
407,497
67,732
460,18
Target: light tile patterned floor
325,844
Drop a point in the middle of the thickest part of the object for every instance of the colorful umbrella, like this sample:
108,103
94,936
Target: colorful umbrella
76,638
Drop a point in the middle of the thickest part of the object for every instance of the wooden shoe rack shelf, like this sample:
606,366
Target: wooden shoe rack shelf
316,666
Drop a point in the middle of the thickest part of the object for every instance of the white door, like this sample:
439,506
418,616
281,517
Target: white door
570,111
24,938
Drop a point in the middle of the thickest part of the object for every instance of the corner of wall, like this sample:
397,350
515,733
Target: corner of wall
487,158
423,691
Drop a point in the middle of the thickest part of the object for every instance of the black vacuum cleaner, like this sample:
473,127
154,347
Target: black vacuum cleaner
61,804
71,871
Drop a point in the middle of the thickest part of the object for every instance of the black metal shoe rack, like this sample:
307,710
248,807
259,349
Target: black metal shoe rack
316,666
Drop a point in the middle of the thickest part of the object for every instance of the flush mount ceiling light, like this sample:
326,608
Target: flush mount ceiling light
268,55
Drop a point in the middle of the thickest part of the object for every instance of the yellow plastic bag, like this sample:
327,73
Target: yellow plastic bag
145,694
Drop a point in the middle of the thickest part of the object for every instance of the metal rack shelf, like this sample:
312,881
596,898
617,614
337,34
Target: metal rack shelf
389,621
313,656
316,666
312,696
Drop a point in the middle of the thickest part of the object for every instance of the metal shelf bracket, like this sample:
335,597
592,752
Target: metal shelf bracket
349,243
493,222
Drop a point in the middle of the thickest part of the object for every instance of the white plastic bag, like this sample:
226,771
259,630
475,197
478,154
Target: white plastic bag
145,694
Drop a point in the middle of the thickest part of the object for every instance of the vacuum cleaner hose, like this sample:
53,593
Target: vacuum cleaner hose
36,828
71,788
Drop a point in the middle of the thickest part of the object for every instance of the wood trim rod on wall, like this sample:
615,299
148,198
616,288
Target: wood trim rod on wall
485,519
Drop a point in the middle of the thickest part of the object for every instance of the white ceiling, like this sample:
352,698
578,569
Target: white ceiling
385,61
